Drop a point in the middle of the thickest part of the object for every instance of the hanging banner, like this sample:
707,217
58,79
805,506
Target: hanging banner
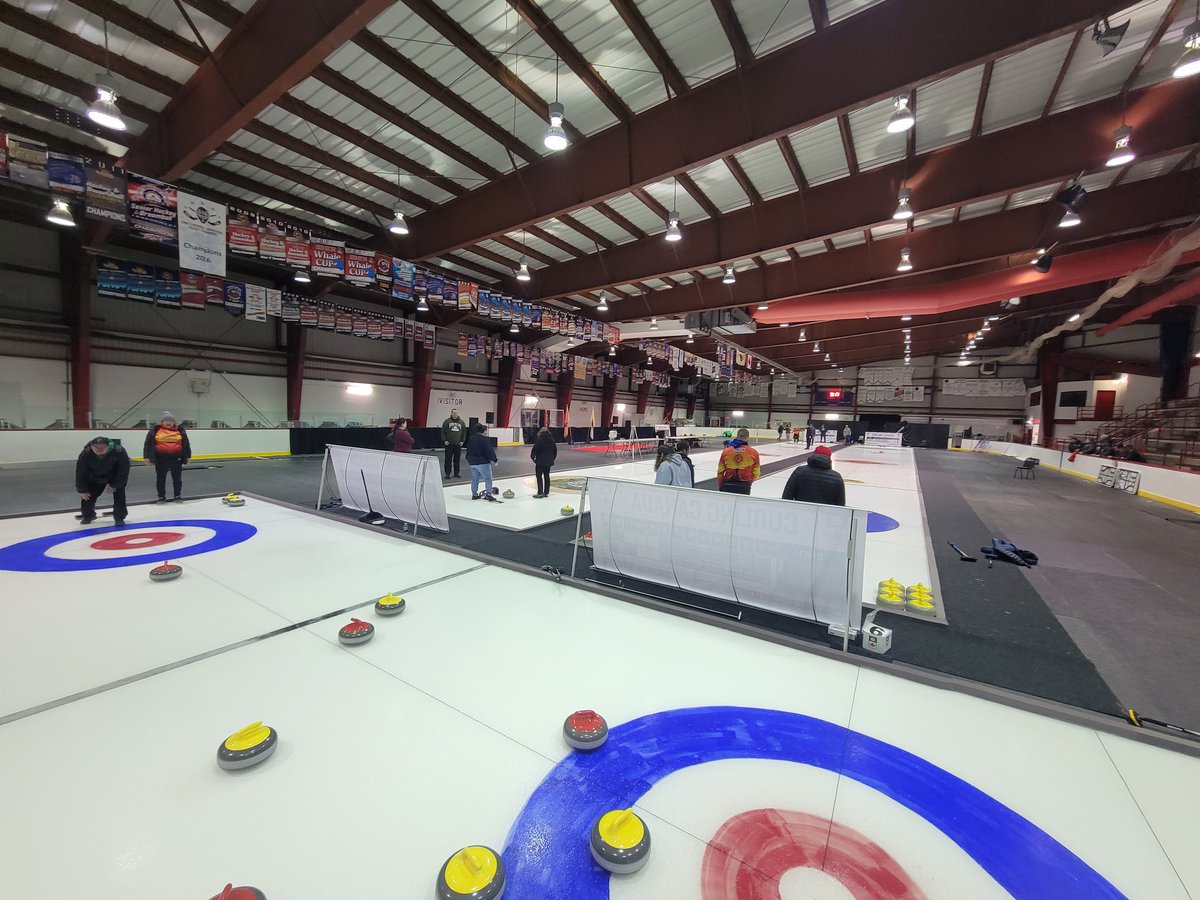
65,174
192,290
434,285
214,290
402,279
383,272
256,303
241,232
359,326
374,329
387,329
152,210
430,340
272,239
345,322
360,267
141,285
468,295
297,248
112,278
289,308
3,155
308,314
27,161
420,283
235,298
274,303
106,195
326,318
450,292
201,234
167,290
328,257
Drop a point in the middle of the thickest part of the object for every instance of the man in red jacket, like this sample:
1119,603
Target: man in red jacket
738,466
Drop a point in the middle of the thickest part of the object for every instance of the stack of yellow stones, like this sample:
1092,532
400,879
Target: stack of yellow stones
917,599
891,593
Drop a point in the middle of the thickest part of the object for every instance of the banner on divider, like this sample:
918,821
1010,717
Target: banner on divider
235,298
141,286
272,239
274,303
298,252
214,291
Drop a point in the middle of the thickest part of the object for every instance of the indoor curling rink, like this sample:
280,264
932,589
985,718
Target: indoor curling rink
761,770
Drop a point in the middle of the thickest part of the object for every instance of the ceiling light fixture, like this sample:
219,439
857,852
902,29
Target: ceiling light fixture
654,324
523,271
673,233
905,264
763,306
603,305
1070,219
802,337
816,346
556,137
301,276
1189,63
903,206
422,306
398,225
1074,317
612,350
901,118
1122,147
103,110
826,357
60,213
906,318
730,278
691,339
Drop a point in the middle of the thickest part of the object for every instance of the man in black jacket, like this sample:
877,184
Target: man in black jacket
101,466
816,482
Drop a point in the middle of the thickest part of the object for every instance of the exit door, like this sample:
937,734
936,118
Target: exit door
1105,401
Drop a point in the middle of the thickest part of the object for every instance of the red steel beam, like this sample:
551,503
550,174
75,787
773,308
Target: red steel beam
644,34
912,49
1136,206
1181,293
241,80
992,165
742,54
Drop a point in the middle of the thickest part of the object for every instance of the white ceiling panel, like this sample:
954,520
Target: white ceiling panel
533,242
819,149
691,33
1152,168
1092,76
1021,83
58,130
873,146
719,185
888,229
771,24
566,233
767,170
601,224
981,208
850,239
843,9
1169,49
1098,181
946,109
811,248
638,213
666,194
933,220
504,250
1033,196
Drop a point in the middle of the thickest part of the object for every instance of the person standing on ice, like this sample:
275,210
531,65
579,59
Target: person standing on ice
738,466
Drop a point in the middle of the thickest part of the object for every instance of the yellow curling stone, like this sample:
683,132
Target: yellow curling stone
473,873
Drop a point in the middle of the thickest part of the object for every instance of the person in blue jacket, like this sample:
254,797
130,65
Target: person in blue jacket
480,457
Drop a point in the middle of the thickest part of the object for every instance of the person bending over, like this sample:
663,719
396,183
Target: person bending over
543,454
102,466
167,449
669,467
815,481
738,466
480,456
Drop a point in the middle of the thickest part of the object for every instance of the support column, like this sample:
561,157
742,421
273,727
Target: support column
76,286
506,387
422,384
1175,351
770,400
691,404
1048,360
296,336
643,401
669,400
608,401
564,391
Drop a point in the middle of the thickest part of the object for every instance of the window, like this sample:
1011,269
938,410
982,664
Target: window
1035,398
1072,398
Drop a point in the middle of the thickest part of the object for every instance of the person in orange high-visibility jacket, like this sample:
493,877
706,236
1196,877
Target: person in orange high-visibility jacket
738,466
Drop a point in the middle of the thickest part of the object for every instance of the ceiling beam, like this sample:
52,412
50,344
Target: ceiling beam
217,10
1062,72
644,34
619,220
449,28
648,149
416,76
843,122
651,204
820,15
152,33
1151,45
554,240
742,54
587,231
743,180
83,90
793,162
545,28
981,102
241,80
523,249
1132,207
257,187
688,184
993,165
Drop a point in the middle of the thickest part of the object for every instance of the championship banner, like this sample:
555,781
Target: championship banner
272,240
360,267
235,297
256,303
167,290
289,308
420,283
434,285
430,338
141,286
387,329
326,319
328,257
344,323
402,279
65,174
308,314
112,278
274,303
242,232
191,290
152,210
450,292
201,234
374,329
360,326
468,295
383,272
462,344
408,330
27,161
107,195
296,247
214,291
3,155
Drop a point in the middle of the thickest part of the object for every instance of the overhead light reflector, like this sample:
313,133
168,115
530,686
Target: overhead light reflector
903,205
523,271
673,233
60,213
905,264
398,225
901,118
103,110
730,278
556,137
1122,147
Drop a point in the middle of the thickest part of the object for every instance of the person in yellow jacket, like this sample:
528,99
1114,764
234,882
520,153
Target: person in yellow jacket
738,467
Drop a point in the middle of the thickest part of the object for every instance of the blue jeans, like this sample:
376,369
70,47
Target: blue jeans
484,472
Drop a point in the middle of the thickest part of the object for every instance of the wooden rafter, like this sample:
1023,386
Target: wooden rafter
523,249
1062,73
650,203
541,23
642,32
742,53
554,240
217,10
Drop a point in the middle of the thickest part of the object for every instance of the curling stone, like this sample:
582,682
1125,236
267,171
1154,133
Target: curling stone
356,632
247,747
233,500
389,605
495,492
890,598
508,494
620,841
240,893
473,873
166,572
890,585
567,511
585,730
920,606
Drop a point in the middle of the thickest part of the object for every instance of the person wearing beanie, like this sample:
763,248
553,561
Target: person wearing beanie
816,482
102,466
738,466
167,449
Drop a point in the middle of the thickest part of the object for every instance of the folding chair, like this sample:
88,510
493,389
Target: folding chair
1027,468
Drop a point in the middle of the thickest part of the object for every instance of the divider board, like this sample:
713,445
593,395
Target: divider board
406,487
891,439
803,560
